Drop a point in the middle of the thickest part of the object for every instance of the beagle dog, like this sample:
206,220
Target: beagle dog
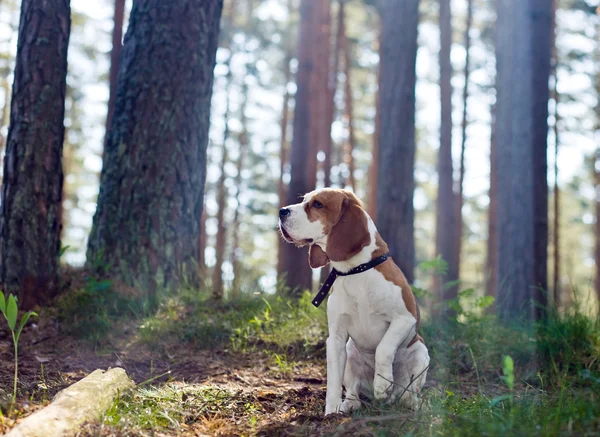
373,348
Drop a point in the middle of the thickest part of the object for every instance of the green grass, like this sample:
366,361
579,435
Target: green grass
556,370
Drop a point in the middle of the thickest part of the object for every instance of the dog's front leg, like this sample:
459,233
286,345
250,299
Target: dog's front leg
336,365
400,332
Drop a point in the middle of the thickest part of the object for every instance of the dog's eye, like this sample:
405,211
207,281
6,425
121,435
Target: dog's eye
317,204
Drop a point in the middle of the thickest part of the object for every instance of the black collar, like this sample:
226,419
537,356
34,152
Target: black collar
322,294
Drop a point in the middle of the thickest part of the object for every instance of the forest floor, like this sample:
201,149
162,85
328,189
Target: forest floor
256,366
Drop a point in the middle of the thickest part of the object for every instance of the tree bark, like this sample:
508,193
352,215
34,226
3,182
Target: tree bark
235,240
556,224
147,224
446,219
348,112
284,148
523,63
542,27
115,61
492,246
332,88
597,171
31,205
374,167
395,178
221,239
465,124
309,129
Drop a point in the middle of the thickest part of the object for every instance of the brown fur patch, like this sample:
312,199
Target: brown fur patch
392,273
316,257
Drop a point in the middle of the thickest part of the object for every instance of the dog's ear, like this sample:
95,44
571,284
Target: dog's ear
351,232
317,257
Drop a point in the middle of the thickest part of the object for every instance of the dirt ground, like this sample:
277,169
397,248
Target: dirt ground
282,403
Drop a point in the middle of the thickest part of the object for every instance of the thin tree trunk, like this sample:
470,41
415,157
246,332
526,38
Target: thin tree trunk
374,167
446,222
284,148
30,213
235,244
348,112
332,87
465,123
597,170
395,183
221,243
492,246
556,224
115,61
147,224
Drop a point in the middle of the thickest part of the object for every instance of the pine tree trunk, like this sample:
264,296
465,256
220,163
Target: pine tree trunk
465,124
30,214
492,246
147,224
374,167
202,241
332,87
284,148
395,183
221,239
597,171
309,129
235,240
348,112
523,62
542,19
115,61
446,222
283,157
319,105
556,224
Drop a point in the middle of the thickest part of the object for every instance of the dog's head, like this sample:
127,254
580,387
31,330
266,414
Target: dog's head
328,218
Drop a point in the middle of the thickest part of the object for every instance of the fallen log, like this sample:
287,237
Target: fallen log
85,400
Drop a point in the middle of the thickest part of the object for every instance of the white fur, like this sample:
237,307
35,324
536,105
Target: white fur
299,227
369,329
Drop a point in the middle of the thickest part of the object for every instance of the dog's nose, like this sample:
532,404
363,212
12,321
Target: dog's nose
284,212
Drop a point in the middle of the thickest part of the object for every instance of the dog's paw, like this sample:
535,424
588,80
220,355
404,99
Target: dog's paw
381,387
349,405
333,407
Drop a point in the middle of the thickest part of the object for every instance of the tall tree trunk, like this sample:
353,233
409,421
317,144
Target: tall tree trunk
556,224
597,170
221,243
147,224
542,27
524,43
465,124
319,105
235,241
446,219
30,210
492,246
115,61
332,88
374,167
395,183
309,130
284,148
348,112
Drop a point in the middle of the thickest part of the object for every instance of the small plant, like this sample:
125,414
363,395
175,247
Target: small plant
10,310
